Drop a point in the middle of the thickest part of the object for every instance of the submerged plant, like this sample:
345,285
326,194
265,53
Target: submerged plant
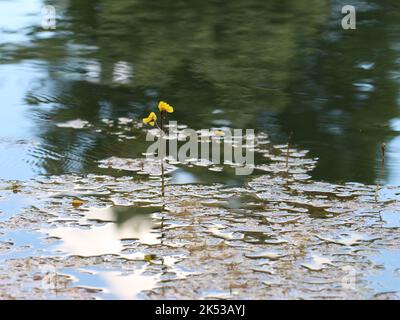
152,120
382,173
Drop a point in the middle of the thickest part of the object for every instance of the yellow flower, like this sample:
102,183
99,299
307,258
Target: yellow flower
219,133
163,106
151,119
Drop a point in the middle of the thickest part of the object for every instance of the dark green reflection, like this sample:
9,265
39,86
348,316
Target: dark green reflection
279,66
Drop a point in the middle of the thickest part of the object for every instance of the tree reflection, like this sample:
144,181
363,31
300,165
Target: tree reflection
280,66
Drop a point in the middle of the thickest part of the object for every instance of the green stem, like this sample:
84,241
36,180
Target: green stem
382,173
162,152
287,152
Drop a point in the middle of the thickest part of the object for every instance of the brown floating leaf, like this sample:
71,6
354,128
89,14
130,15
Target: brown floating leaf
77,203
149,257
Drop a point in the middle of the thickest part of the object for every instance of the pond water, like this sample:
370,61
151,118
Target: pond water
71,104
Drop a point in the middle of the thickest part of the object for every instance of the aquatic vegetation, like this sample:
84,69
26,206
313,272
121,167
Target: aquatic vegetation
152,119
279,235
165,107
382,171
86,219
77,203
141,166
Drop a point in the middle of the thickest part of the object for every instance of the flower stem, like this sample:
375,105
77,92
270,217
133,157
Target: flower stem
382,173
162,152
287,151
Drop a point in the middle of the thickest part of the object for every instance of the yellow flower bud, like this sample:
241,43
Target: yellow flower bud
151,119
163,106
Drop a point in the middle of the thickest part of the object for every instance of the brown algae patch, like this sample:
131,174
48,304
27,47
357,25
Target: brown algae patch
277,236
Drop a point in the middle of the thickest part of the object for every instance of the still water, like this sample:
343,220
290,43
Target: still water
276,66
71,100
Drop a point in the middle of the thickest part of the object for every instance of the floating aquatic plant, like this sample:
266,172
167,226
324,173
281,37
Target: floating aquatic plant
152,120
382,172
280,227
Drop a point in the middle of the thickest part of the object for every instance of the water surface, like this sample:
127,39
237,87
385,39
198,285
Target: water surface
281,67
312,226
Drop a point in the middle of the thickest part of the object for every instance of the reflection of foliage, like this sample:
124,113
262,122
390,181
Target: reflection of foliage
221,54
235,56
237,48
346,106
251,59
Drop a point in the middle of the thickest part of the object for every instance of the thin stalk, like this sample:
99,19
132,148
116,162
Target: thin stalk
287,151
383,150
162,152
